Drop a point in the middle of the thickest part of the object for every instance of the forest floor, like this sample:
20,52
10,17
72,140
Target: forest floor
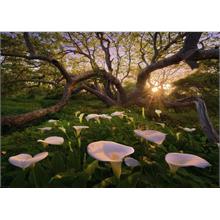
63,168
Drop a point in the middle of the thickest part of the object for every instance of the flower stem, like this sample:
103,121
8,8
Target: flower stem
143,112
34,176
70,146
116,168
79,141
190,139
69,142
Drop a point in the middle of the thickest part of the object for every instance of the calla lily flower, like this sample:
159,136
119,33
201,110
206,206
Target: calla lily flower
105,116
77,133
92,116
81,117
178,135
53,140
79,128
131,162
158,112
151,135
25,160
143,112
177,160
3,153
77,113
161,124
53,121
62,129
119,114
109,151
45,129
188,129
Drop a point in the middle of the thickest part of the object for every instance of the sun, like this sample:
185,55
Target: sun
167,86
155,89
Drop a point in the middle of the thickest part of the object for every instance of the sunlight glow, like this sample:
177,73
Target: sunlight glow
155,89
167,86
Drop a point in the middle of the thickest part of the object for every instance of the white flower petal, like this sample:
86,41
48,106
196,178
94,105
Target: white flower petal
39,157
105,116
109,151
151,135
80,127
131,162
186,160
118,114
21,160
25,160
188,129
53,121
92,116
45,129
158,112
53,140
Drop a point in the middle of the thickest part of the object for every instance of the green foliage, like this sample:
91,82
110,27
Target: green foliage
63,168
203,83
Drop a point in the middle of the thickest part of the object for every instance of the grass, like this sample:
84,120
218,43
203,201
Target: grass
63,168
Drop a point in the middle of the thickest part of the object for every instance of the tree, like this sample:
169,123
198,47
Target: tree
98,62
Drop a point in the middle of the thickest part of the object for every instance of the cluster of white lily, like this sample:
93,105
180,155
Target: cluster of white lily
97,117
112,152
26,160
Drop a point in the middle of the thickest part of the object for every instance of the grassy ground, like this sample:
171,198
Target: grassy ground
63,168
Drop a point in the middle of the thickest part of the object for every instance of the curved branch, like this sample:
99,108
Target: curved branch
106,99
115,81
19,120
69,88
52,61
175,59
106,50
190,53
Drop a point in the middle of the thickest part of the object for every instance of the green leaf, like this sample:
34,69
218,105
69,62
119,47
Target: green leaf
57,163
106,182
90,169
19,180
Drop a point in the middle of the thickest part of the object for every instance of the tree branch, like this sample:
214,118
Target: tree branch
52,61
205,122
106,50
28,43
106,99
189,52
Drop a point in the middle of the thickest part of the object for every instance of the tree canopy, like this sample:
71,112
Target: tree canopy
104,64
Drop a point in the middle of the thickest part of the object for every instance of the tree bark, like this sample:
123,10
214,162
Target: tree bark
106,99
189,53
205,122
69,88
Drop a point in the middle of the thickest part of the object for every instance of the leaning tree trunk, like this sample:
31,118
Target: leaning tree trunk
205,122
19,120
